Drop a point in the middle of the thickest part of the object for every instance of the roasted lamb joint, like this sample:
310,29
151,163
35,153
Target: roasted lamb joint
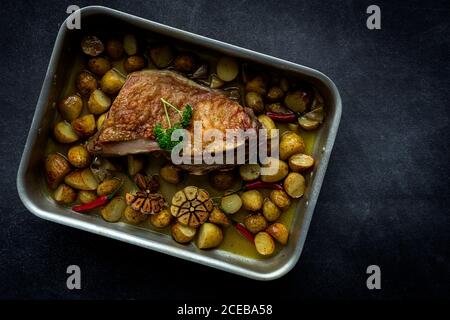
137,109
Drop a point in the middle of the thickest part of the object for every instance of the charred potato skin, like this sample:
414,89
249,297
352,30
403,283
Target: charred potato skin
70,107
161,219
99,65
252,200
92,46
255,223
86,83
56,168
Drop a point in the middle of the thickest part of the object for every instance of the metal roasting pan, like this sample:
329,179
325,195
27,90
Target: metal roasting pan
30,174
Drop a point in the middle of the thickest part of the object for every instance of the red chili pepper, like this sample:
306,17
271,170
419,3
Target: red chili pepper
262,185
93,204
282,117
243,230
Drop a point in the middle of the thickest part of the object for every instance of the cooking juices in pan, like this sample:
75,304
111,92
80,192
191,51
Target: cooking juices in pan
239,210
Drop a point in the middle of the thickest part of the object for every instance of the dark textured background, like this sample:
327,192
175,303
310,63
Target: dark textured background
385,197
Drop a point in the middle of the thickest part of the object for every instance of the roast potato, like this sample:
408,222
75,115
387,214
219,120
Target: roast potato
252,200
222,180
279,232
56,168
312,119
134,63
216,82
254,101
270,211
277,108
284,84
100,120
64,133
86,83
264,243
108,186
111,82
250,172
257,84
130,44
280,199
294,184
98,102
161,55
255,223
78,156
82,179
231,204
64,194
134,216
300,162
227,69
268,124
92,46
170,173
280,170
275,94
181,233
84,126
161,219
70,107
218,217
209,236
297,101
112,212
114,49
86,196
135,164
99,65
290,144
184,63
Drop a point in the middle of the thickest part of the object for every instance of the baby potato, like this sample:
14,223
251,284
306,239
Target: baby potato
98,102
308,124
84,126
277,108
64,133
209,236
264,243
227,69
294,185
134,63
133,216
82,179
78,156
135,164
300,162
56,168
184,63
114,49
112,212
86,83
130,44
64,194
100,120
161,219
108,186
257,84
216,82
170,173
161,55
255,223
222,180
279,232
250,172
275,94
252,200
181,233
290,144
270,211
92,46
278,170
218,217
70,107
297,101
267,123
86,196
231,204
312,119
99,65
280,199
111,82
254,101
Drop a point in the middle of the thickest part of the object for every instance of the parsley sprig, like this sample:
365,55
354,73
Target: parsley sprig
164,136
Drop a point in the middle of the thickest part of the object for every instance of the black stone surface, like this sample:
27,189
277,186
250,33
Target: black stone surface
385,198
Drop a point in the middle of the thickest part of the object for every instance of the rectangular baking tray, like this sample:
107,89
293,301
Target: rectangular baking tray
30,174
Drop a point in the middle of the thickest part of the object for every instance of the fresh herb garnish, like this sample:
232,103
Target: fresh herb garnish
164,136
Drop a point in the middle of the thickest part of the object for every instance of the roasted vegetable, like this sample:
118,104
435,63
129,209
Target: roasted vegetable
275,94
134,63
227,69
64,194
277,108
294,184
255,223
182,234
270,211
254,101
252,200
282,117
114,49
170,173
108,186
209,236
134,216
257,84
112,212
100,120
290,144
300,162
284,84
216,82
112,82
161,219
98,102
218,217
161,56
85,125
92,46
130,44
222,180
191,206
231,204
184,63
82,180
293,127
64,133
312,119
264,243
250,172
279,232
268,124
56,168
280,199
70,107
99,65
85,196
201,72
135,164
78,156
297,101
279,169
86,83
